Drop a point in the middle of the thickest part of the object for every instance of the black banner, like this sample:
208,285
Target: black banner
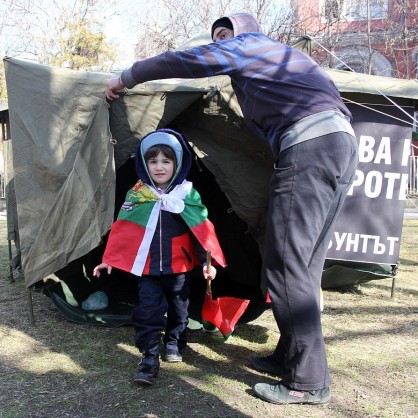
369,226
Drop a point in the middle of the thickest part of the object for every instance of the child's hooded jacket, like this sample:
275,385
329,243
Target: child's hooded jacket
162,232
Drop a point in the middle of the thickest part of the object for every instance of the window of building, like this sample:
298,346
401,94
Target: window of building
332,9
354,9
362,9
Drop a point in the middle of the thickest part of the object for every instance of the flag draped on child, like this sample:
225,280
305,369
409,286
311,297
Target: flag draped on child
131,234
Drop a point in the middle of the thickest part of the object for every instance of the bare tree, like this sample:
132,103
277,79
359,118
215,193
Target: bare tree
63,33
48,31
167,24
401,37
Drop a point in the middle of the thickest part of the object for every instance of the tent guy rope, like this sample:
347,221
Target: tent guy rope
360,78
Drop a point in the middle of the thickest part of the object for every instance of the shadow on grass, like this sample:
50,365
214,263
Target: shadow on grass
88,370
406,262
398,330
370,310
376,284
214,379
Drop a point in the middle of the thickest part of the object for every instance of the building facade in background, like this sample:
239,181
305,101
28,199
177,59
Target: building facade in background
376,37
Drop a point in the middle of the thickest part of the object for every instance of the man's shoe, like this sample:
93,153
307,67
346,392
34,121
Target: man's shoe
173,356
266,364
280,394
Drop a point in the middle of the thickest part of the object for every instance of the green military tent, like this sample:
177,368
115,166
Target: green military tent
70,164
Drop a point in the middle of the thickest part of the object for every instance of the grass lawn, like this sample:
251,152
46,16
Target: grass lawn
57,368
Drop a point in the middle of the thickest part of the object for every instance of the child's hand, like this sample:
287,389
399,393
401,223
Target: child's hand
209,275
96,271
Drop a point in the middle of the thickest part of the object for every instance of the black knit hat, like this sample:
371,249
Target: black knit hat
224,22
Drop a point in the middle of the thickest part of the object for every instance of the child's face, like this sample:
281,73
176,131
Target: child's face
161,170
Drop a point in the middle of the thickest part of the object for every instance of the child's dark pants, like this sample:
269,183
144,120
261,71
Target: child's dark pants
159,295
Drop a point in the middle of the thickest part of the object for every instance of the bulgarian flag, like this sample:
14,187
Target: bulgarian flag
131,234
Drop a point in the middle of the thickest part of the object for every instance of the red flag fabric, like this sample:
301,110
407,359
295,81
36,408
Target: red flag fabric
223,313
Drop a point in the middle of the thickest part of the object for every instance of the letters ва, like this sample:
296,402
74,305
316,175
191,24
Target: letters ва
379,182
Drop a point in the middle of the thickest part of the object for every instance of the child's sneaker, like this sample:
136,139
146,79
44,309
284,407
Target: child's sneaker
146,373
209,327
173,356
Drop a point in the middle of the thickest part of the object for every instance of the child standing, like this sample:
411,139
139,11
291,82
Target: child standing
161,233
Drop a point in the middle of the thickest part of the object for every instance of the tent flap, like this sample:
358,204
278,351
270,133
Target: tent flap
63,164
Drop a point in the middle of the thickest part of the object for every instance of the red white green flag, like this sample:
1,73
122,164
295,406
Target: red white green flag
131,234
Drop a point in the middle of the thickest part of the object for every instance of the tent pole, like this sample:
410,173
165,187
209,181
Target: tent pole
392,294
12,279
30,304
